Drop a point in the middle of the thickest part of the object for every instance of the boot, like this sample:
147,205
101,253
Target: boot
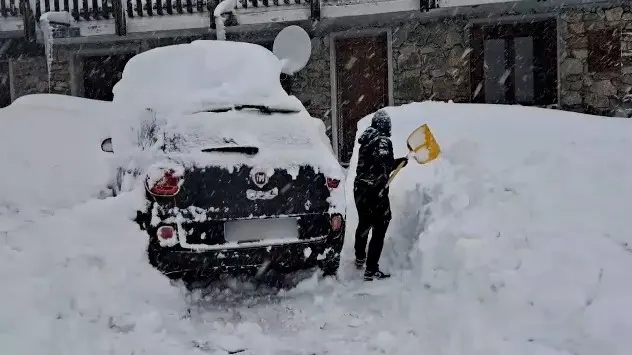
375,275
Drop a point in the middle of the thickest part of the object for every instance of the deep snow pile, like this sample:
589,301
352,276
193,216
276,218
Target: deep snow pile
523,253
51,153
521,228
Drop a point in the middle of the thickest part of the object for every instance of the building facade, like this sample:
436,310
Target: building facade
365,54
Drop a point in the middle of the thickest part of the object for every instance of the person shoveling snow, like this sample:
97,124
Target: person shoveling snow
375,164
375,171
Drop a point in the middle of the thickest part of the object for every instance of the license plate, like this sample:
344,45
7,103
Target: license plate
261,229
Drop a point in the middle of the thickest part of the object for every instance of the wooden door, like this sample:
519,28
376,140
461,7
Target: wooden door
362,85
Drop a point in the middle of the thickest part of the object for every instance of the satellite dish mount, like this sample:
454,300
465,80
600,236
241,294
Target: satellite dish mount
293,47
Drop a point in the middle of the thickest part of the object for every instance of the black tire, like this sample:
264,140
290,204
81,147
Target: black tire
329,267
154,254
330,271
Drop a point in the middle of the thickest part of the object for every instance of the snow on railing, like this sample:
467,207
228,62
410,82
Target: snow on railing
10,8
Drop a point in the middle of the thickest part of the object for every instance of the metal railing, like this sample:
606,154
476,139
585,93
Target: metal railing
244,4
10,8
81,10
142,8
120,11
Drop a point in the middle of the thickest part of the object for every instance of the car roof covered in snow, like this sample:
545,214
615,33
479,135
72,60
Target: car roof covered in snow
203,75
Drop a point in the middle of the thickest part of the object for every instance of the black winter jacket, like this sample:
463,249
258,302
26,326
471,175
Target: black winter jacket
375,160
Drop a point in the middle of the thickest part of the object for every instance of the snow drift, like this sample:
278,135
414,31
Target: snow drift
515,241
521,227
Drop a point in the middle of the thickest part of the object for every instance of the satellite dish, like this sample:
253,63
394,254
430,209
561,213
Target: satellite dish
293,47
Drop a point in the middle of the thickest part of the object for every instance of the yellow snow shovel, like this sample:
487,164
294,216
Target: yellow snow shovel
422,145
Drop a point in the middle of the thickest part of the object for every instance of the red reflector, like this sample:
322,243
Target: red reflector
168,185
336,223
166,232
333,183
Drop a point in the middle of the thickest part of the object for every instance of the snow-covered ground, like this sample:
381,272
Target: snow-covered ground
515,241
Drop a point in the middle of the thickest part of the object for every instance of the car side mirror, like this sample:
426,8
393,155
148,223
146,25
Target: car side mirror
106,145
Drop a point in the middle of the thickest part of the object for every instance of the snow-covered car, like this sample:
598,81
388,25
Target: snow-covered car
49,145
238,177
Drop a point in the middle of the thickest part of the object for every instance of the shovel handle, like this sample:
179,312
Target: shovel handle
399,167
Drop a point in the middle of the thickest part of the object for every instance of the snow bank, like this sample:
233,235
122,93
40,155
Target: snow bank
515,241
519,233
51,152
68,292
203,75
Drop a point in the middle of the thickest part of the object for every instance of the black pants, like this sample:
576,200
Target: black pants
374,213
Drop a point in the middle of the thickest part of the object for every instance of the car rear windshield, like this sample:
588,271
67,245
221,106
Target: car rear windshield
241,135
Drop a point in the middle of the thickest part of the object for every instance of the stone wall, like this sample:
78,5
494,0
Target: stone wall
30,75
5,87
312,85
583,89
430,62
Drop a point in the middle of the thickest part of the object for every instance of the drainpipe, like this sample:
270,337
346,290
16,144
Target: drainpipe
224,7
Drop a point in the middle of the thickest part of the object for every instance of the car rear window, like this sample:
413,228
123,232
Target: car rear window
270,133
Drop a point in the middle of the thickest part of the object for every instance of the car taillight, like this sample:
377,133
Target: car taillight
336,222
167,185
165,232
332,183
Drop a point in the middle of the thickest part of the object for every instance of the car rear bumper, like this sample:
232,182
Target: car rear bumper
283,258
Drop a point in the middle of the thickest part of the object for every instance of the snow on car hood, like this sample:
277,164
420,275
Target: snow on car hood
203,75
